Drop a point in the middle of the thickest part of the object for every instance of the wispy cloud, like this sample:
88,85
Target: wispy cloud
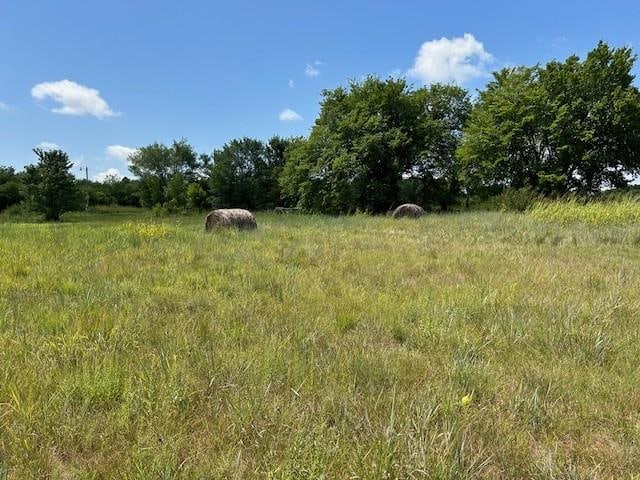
48,146
75,99
292,84
119,152
78,161
312,69
451,60
107,175
288,115
4,107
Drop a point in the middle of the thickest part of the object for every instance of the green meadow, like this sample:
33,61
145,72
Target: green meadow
476,345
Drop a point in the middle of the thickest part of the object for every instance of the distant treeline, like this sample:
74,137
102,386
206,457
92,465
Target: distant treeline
565,127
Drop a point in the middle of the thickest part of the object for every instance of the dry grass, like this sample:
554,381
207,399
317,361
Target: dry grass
319,347
621,212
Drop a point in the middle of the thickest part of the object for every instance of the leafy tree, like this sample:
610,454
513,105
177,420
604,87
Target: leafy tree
595,132
163,161
152,191
276,149
244,173
112,191
125,192
156,164
231,174
371,141
176,193
197,198
10,188
359,147
443,112
506,139
297,185
51,188
568,126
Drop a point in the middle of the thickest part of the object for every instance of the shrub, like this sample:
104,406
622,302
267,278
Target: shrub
517,199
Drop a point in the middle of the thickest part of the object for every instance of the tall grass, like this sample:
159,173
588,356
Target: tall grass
485,345
619,212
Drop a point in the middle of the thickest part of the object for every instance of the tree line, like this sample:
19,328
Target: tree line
564,127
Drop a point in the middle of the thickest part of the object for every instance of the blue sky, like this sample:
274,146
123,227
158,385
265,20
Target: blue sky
99,78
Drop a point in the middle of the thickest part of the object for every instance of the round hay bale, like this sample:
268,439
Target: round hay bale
229,218
408,210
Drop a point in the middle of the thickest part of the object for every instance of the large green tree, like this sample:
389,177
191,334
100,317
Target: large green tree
157,164
443,112
232,177
370,140
506,139
358,149
567,126
244,173
595,134
10,187
297,186
51,188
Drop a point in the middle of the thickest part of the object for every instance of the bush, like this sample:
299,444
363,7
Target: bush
17,210
517,199
10,194
196,197
159,211
509,200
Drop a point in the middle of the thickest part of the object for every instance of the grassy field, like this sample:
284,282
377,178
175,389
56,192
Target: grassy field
621,212
478,345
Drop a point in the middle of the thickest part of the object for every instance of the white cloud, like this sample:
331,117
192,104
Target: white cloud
288,115
77,161
292,84
48,146
109,174
311,70
119,152
448,60
75,99
4,107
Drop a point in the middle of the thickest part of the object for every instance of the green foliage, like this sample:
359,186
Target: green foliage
176,193
113,191
444,110
51,188
10,188
232,177
297,185
368,138
165,161
568,126
152,191
244,173
516,199
157,164
197,198
358,149
504,142
124,192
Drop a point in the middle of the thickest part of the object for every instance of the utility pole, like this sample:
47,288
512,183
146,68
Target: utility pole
86,206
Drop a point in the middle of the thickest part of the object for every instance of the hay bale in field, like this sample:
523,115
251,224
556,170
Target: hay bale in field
229,218
408,210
